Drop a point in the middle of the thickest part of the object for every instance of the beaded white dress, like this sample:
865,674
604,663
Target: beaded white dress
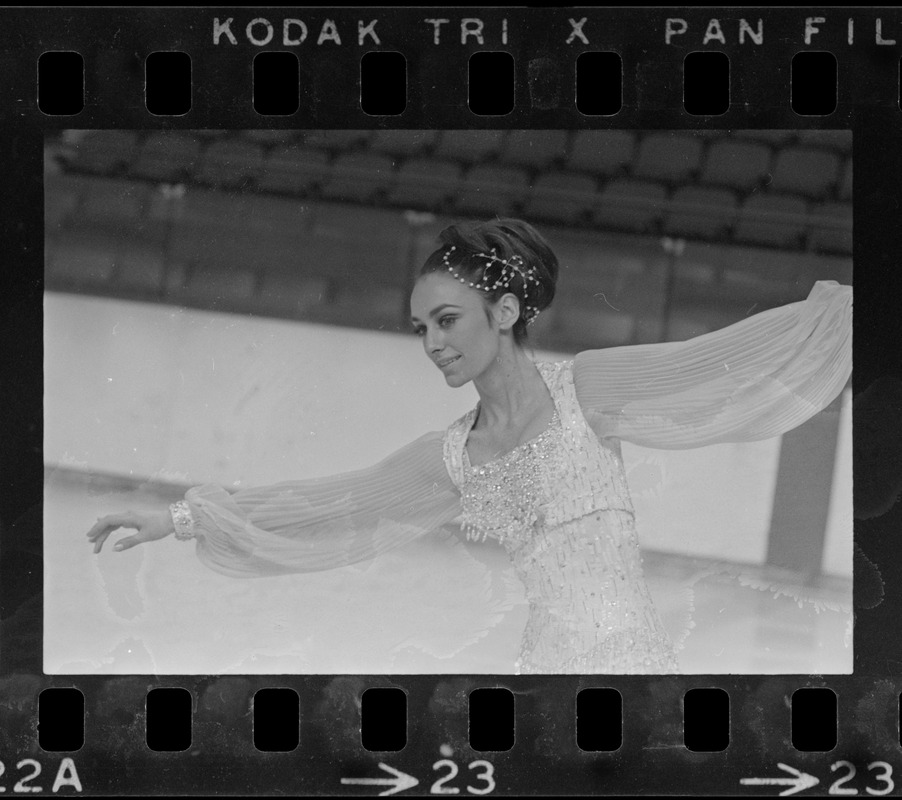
560,504
561,507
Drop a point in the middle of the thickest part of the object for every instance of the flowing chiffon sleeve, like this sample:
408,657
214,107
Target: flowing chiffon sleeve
324,523
755,379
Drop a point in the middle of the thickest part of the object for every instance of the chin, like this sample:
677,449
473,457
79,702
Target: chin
456,381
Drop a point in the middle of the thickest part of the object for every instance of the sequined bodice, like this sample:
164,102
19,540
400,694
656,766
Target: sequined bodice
503,497
562,474
560,506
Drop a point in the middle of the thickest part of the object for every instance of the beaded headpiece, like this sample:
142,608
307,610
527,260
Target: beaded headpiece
510,268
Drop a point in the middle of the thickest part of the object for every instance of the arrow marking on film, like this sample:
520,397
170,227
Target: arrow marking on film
398,783
799,782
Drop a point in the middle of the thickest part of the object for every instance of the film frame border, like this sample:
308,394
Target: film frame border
868,95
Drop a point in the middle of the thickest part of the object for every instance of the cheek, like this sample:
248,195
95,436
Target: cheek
480,340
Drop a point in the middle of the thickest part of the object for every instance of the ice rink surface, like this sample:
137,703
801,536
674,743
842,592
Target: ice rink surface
439,605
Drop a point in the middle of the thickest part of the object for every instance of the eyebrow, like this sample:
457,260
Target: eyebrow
436,310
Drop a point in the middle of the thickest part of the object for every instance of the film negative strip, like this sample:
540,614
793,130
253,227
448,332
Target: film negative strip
224,227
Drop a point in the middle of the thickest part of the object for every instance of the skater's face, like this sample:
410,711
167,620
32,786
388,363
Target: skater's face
461,333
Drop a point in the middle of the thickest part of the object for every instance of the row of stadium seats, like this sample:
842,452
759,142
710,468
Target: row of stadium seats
149,212
311,224
808,168
603,300
535,148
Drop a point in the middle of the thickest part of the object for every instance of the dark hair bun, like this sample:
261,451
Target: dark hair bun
508,238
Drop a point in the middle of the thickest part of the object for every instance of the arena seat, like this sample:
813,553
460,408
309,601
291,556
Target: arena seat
562,197
736,164
141,269
573,256
602,152
626,204
161,205
701,285
362,242
279,217
768,278
697,211
103,151
831,229
402,143
110,202
825,267
288,292
372,305
214,285
211,209
668,156
188,244
358,176
689,320
535,148
266,137
491,190
591,325
210,224
294,169
469,146
124,210
425,183
773,137
81,260
336,140
167,156
774,220
236,248
625,296
313,256
684,326
230,163
804,171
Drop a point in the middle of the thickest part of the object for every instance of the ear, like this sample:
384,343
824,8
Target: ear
507,311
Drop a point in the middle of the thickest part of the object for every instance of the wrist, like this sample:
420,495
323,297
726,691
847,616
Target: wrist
166,521
181,520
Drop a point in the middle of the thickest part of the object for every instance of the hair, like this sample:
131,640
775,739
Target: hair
508,238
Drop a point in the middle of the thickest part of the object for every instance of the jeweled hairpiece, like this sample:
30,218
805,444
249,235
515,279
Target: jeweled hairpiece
510,268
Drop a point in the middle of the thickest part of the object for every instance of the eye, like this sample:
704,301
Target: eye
419,330
447,321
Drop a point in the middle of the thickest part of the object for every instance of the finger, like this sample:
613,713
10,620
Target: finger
101,531
129,542
98,545
102,537
111,522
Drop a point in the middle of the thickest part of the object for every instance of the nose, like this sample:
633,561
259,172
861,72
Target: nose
432,341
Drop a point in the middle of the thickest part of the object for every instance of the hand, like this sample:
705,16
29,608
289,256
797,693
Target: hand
150,527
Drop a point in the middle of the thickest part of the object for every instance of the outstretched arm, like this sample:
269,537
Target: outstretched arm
323,523
755,379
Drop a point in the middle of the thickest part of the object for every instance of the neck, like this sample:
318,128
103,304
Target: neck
509,387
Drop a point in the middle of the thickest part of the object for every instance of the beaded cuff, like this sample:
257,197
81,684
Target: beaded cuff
182,520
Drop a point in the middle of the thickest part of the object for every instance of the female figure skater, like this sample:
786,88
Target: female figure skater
536,465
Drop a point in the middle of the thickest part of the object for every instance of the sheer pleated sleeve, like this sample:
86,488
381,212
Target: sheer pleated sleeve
755,379
320,524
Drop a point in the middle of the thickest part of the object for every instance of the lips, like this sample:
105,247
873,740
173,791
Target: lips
446,362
